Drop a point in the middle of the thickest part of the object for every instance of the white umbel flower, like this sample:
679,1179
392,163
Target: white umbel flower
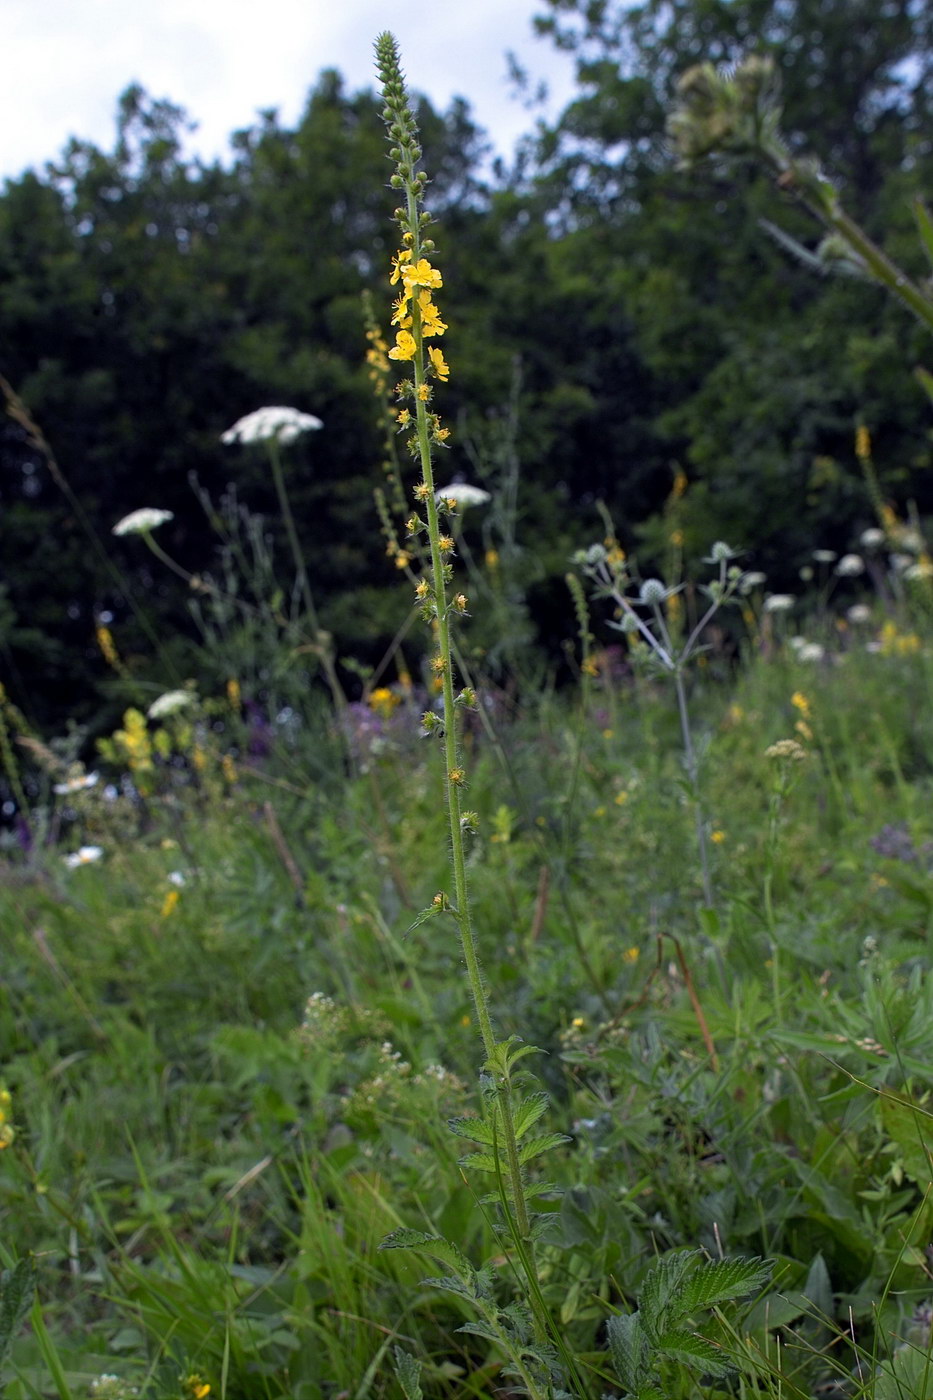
464,494
778,602
274,423
872,538
170,703
142,522
850,566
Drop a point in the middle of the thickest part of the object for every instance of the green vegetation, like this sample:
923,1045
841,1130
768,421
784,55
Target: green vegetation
398,1010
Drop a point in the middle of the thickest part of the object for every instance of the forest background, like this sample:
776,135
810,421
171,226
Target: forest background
617,320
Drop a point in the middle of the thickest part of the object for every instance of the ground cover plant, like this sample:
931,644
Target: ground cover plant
319,1082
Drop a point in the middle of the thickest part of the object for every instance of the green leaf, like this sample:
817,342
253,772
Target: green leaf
534,1147
628,1348
479,1161
480,1329
473,1128
434,1245
662,1286
693,1350
423,917
17,1290
718,1281
925,378
818,1287
450,1285
527,1111
408,1370
906,1126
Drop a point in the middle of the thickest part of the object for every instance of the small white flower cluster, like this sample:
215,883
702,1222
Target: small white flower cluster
84,855
78,783
170,703
142,522
779,602
463,494
275,423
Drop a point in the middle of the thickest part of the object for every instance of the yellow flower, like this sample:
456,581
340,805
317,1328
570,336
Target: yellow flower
801,703
717,837
383,701
862,443
404,347
438,364
398,263
169,903
630,955
804,730
431,323
233,693
403,417
445,544
400,315
105,642
456,776
229,768
492,559
420,274
424,392
677,538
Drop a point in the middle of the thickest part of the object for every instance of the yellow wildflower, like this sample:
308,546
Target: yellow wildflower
169,902
419,274
233,693
383,701
424,392
229,768
631,955
438,364
862,443
105,642
801,703
717,837
404,347
431,323
398,263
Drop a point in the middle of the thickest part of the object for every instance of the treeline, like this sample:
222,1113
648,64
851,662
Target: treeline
638,320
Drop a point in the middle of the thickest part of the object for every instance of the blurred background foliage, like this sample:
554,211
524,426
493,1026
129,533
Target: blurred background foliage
146,301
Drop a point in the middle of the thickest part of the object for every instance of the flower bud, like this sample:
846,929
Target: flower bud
652,592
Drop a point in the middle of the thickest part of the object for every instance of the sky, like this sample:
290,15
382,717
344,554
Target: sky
67,61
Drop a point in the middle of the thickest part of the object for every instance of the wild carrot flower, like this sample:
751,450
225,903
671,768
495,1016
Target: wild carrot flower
79,783
171,703
141,522
850,566
778,602
463,495
271,424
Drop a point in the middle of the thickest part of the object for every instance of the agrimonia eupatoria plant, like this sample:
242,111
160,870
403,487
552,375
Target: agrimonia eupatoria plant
651,617
505,1131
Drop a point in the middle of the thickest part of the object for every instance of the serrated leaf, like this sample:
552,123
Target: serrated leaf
480,1329
450,1285
479,1161
529,1191
408,1370
423,917
717,1281
693,1350
434,1245
534,1147
17,1290
508,1053
663,1285
527,1112
628,1348
473,1128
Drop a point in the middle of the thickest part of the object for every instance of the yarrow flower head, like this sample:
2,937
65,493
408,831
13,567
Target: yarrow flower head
850,566
142,522
778,602
271,424
463,494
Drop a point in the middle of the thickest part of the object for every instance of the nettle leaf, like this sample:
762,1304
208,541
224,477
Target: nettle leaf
628,1347
693,1350
534,1147
434,1245
720,1280
408,1370
662,1287
527,1112
507,1054
474,1129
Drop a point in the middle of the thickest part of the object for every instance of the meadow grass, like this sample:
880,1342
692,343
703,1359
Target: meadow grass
265,977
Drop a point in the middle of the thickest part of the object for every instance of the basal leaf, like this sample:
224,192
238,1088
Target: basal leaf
408,1370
